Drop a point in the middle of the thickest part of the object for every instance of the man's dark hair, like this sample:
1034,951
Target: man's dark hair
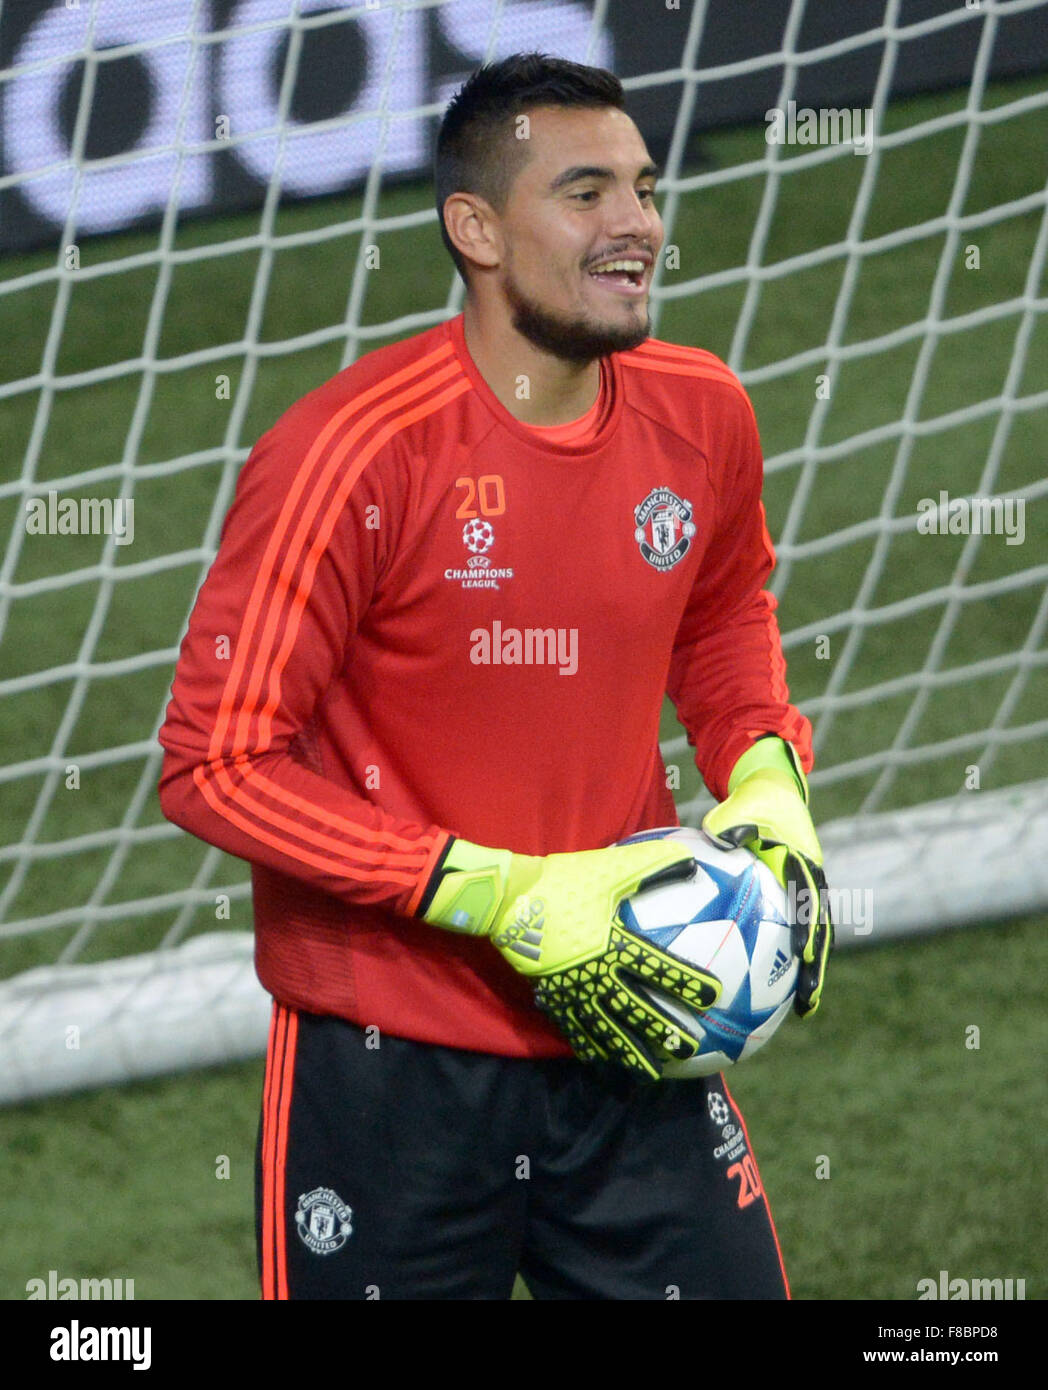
477,148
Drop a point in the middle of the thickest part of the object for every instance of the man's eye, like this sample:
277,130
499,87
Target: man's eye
590,193
645,193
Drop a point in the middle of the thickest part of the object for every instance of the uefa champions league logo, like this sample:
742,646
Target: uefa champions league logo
718,1108
478,536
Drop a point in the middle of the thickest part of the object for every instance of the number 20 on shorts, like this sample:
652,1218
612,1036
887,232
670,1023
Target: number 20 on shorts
749,1180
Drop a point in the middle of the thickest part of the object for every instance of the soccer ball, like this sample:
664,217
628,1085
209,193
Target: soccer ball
731,919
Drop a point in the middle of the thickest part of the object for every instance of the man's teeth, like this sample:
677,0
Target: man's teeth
630,267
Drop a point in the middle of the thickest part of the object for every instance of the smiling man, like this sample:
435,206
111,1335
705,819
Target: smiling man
462,575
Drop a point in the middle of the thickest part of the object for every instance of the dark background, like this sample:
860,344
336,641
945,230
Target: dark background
646,36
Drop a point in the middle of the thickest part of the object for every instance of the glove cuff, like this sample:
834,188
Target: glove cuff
467,888
770,754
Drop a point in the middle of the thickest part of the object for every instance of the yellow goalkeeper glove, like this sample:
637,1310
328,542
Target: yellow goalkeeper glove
555,919
767,810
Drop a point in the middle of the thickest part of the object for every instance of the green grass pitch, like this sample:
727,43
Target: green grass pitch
935,1151
933,1146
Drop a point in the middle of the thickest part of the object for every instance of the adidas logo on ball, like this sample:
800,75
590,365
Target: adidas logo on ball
779,966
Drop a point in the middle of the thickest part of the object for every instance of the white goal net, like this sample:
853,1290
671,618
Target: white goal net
872,265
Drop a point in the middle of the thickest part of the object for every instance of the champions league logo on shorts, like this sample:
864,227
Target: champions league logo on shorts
718,1108
324,1221
664,528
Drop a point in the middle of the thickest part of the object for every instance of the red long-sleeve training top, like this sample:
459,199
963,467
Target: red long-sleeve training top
426,617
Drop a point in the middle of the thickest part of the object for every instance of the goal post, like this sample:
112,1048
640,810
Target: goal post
870,259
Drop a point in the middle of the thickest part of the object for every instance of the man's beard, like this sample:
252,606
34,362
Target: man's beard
572,339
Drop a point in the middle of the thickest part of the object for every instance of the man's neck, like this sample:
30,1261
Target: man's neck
534,386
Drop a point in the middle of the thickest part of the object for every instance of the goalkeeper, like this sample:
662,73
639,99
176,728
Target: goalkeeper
459,579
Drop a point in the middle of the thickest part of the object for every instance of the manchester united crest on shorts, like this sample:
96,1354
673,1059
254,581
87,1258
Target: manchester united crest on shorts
664,528
324,1221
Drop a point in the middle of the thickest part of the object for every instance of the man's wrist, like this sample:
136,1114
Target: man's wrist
770,754
467,887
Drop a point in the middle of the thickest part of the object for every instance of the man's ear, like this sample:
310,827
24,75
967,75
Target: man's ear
473,227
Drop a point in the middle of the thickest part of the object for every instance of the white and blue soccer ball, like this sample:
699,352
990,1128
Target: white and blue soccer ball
731,919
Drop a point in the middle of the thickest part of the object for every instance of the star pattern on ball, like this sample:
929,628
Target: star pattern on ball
738,899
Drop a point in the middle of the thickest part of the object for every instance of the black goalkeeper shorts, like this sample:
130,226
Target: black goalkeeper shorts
390,1169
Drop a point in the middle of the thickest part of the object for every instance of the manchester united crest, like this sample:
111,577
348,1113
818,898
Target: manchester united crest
324,1221
664,528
